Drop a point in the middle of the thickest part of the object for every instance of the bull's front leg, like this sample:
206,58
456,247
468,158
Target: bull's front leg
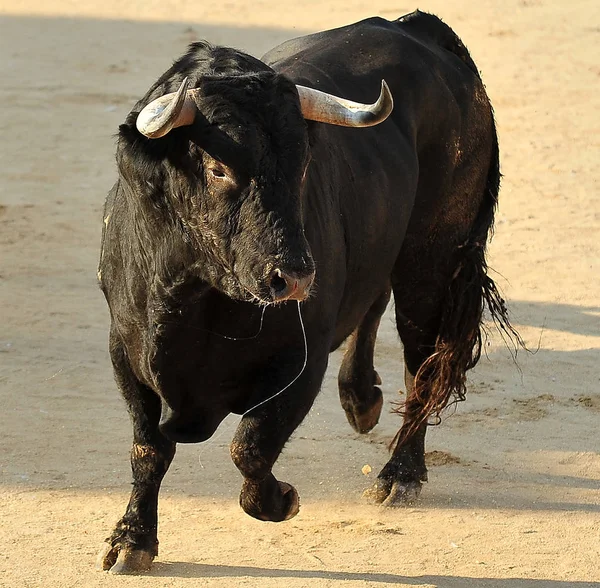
262,434
133,544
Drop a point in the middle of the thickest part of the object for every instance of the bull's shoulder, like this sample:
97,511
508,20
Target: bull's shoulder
340,42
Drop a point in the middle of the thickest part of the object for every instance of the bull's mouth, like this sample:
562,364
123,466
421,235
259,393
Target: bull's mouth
255,298
235,288
261,300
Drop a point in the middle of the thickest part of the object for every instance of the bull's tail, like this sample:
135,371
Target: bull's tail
441,379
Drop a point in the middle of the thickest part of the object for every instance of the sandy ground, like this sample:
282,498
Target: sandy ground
513,499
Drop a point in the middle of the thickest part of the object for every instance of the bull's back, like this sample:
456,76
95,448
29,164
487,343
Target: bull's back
416,54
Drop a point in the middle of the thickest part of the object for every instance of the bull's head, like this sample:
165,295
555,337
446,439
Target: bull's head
238,183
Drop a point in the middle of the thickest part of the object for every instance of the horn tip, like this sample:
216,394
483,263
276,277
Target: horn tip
386,96
184,84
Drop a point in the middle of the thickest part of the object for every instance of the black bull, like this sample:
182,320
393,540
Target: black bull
246,204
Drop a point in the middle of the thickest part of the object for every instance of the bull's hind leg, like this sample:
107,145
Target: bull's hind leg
439,306
358,381
133,544
401,479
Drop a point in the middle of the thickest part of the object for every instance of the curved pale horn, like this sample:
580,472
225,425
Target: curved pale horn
168,112
327,108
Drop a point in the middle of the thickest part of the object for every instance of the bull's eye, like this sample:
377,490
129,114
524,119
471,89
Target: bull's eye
217,173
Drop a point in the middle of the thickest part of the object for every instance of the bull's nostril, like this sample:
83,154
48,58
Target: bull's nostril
289,286
278,284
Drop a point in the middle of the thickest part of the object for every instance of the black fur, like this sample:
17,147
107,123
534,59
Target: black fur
199,218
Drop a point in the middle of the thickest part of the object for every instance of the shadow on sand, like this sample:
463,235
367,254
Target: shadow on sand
197,570
569,318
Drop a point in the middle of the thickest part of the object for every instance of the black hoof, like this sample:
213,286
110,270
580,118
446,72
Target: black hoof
398,484
389,493
269,500
290,496
123,559
362,403
364,418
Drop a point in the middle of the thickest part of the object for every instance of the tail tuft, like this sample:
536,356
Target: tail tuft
441,379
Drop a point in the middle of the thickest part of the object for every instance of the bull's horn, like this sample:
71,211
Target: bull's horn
168,112
327,108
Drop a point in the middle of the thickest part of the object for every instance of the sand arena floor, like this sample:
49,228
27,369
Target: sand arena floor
513,499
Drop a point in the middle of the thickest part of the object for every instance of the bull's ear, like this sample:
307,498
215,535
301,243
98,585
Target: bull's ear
130,139
285,85
131,144
140,161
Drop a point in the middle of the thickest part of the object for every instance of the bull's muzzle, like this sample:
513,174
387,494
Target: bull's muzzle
290,286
